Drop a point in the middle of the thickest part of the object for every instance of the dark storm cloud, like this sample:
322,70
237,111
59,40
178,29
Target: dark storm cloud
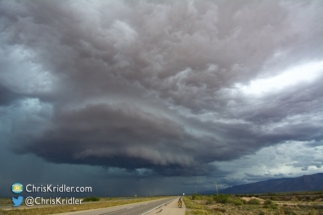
155,85
6,96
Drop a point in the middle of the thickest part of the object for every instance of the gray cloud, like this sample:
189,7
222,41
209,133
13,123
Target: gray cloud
6,96
157,85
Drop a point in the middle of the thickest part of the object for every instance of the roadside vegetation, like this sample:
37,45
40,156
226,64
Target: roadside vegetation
90,203
310,203
91,199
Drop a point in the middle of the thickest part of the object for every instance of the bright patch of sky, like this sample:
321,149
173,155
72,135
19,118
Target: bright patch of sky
288,159
296,75
21,72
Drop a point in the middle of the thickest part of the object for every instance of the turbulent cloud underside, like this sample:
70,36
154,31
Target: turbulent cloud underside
165,86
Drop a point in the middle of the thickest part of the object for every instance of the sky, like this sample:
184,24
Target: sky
159,97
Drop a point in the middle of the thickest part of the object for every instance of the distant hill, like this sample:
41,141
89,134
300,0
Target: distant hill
303,183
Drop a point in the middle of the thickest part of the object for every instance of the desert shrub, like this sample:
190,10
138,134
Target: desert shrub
236,201
221,198
261,213
310,213
224,199
268,202
244,201
91,199
274,206
299,198
315,198
196,197
308,198
209,202
273,198
220,209
254,202
288,211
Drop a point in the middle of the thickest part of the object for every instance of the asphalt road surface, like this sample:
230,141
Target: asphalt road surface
171,208
129,209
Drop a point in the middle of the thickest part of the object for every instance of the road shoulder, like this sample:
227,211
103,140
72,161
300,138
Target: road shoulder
169,209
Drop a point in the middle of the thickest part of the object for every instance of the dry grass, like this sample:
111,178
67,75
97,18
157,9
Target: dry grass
5,202
206,205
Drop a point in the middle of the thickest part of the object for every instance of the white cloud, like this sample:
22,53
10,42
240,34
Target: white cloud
288,159
301,74
22,73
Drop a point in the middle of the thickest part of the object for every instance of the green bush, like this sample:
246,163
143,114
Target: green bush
268,202
91,199
209,200
224,199
236,201
273,198
221,198
274,206
288,211
254,202
196,197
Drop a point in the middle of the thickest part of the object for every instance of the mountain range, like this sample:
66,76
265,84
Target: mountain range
303,183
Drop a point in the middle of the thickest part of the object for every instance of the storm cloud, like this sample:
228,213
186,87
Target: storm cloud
172,88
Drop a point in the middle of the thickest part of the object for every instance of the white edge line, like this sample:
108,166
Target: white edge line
158,206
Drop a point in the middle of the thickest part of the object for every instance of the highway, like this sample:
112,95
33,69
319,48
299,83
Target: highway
170,209
129,209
